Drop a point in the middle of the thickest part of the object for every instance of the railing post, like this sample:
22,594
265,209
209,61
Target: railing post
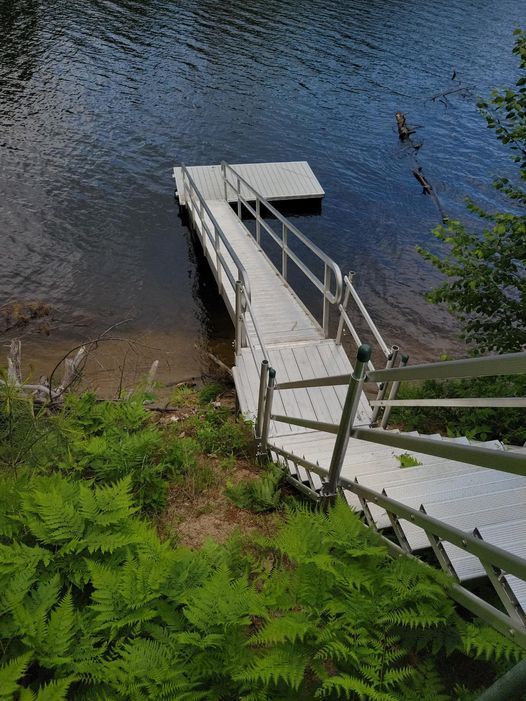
268,411
326,303
218,262
239,318
238,197
263,376
258,224
505,688
344,304
348,414
393,392
391,359
223,173
284,244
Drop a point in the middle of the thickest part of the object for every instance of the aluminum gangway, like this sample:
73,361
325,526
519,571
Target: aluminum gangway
465,501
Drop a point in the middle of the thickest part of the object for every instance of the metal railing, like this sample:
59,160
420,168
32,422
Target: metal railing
332,276
209,229
496,562
505,364
493,559
391,353
247,331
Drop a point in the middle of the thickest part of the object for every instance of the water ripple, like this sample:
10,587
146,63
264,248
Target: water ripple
98,100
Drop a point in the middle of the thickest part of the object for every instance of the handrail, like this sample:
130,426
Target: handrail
505,461
344,317
479,402
248,306
329,297
243,275
505,364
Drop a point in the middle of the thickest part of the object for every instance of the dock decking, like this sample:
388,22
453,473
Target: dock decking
275,325
274,181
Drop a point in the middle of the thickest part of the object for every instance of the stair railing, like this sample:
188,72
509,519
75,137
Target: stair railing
506,364
511,621
331,284
495,561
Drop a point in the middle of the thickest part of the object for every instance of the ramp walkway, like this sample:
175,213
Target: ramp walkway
463,500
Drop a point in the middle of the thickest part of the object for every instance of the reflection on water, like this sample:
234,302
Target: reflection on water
98,101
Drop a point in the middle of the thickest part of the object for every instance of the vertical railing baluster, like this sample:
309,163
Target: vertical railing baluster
344,304
349,410
218,262
263,378
258,224
326,303
239,319
391,359
223,173
268,410
393,391
238,197
284,244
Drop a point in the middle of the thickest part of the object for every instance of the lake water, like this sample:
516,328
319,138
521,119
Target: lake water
99,100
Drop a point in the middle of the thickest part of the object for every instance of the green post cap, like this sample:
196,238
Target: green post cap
405,357
364,353
271,372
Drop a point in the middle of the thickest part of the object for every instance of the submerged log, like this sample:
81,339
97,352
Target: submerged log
426,187
404,132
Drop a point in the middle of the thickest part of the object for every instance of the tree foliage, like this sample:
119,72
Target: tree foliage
485,286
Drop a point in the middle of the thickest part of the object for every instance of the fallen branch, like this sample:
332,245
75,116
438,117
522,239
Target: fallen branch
426,187
220,363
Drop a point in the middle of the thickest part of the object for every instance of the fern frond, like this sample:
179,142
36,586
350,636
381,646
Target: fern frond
10,674
349,687
56,690
59,633
283,664
487,644
289,628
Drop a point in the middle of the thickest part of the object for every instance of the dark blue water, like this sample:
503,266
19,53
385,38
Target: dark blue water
99,100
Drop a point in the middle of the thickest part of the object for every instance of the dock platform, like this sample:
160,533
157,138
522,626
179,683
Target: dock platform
274,181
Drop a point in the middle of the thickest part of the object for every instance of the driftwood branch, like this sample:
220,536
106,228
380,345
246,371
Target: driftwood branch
42,391
220,364
150,379
14,363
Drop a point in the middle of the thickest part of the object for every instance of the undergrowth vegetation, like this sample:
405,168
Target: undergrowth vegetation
105,441
95,606
477,423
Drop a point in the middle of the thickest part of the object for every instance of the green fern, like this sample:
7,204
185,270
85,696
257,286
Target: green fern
10,674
